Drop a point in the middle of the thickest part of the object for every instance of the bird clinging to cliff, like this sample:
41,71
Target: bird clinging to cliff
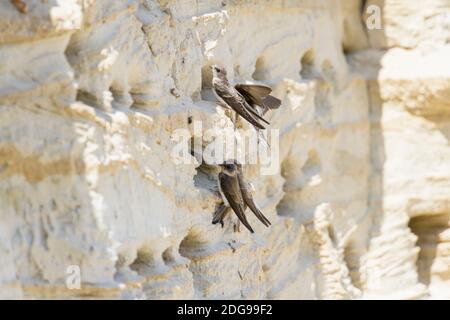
231,192
244,98
246,190
236,194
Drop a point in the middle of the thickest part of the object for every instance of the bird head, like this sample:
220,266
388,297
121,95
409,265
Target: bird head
229,167
219,71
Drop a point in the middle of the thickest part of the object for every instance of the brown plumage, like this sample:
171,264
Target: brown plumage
250,101
236,194
231,192
248,197
231,97
258,95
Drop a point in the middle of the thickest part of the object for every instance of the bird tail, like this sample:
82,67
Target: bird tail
259,215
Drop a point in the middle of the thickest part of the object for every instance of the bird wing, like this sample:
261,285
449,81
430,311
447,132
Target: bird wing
248,200
253,94
271,102
255,90
259,95
250,99
231,190
237,103
253,111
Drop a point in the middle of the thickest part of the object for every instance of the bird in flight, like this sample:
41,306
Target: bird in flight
249,101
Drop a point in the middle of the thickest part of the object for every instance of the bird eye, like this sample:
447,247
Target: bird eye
217,69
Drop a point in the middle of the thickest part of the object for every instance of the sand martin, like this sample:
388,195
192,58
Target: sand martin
236,194
229,96
231,192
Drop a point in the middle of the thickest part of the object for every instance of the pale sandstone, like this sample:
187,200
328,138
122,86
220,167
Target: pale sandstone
91,93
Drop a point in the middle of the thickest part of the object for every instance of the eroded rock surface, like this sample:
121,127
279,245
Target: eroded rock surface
91,93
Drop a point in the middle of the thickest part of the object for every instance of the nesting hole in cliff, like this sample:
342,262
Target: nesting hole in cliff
433,239
206,177
312,166
260,69
143,261
168,256
289,167
193,242
308,70
120,98
300,174
352,260
297,175
87,98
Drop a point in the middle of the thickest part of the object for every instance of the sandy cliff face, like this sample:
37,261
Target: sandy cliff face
91,93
